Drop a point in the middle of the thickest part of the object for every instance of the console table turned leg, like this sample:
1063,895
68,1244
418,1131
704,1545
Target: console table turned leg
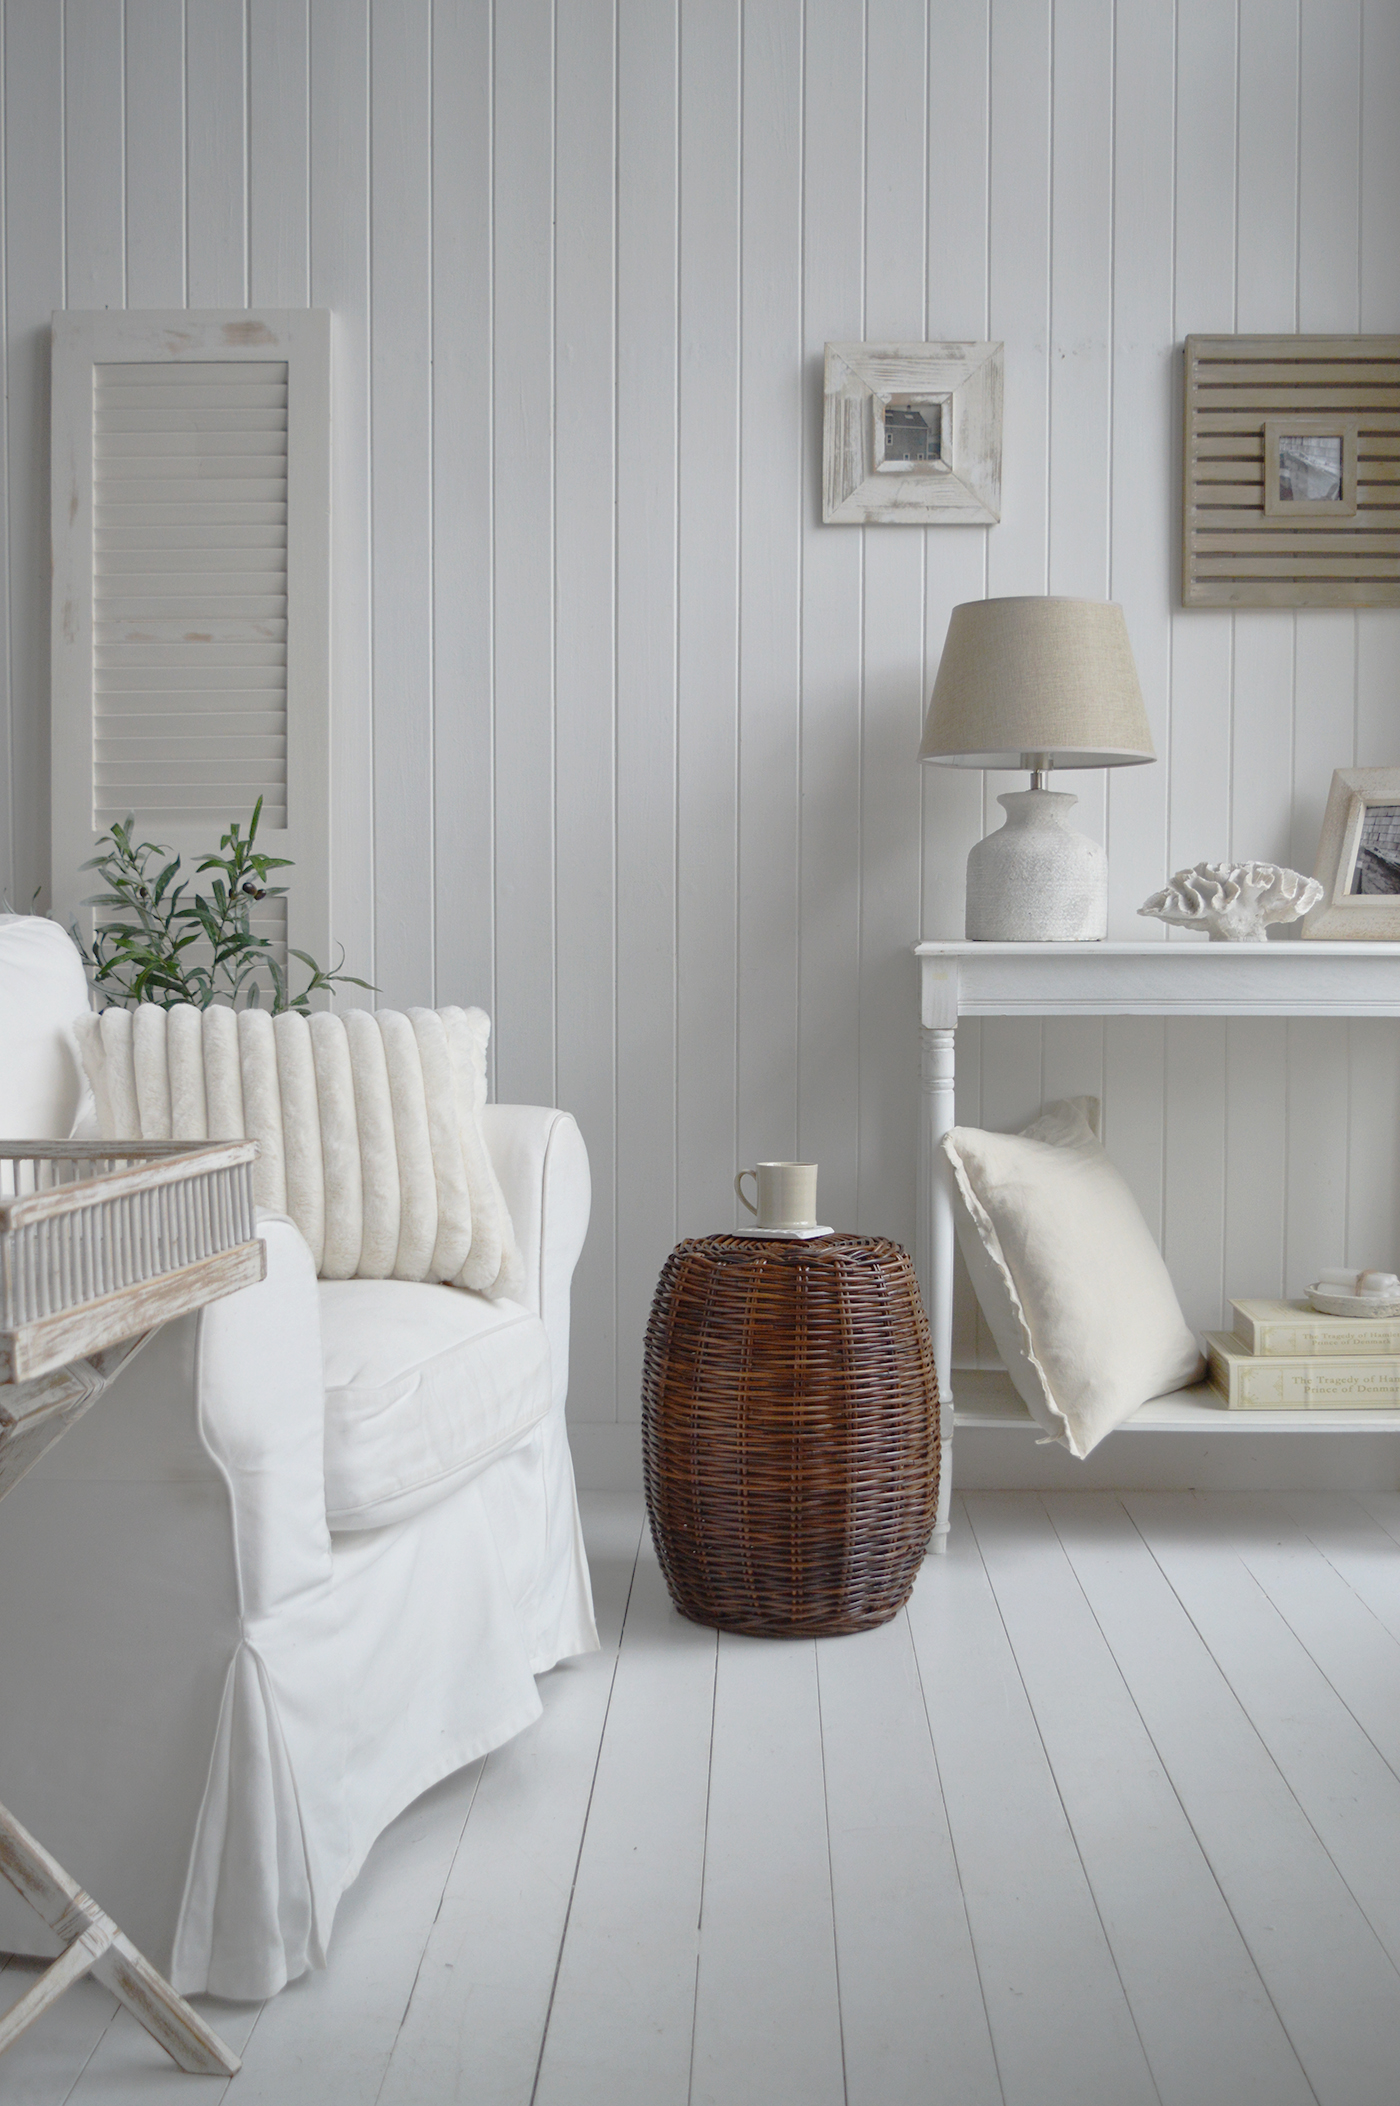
934,1242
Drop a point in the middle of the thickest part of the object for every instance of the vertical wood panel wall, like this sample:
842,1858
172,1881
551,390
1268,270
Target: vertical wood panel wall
624,737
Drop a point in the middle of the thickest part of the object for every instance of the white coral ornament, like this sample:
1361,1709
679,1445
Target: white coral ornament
1233,902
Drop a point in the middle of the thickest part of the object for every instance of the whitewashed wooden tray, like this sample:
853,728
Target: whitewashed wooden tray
102,1240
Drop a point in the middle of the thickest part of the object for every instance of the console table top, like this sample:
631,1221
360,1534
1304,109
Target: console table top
1184,978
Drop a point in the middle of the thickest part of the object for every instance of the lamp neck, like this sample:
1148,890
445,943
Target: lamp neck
1040,778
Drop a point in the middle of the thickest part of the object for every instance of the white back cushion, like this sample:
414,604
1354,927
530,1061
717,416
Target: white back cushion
43,988
368,1126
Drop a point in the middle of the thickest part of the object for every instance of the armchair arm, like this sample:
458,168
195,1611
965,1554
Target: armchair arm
542,1163
262,1420
233,1397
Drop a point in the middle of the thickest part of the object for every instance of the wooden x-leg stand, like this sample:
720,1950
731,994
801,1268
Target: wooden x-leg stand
33,1415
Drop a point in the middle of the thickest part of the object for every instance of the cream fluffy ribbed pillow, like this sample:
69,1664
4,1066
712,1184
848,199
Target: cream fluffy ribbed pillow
1074,1288
368,1126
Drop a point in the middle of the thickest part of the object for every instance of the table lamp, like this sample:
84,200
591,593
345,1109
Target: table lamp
1037,683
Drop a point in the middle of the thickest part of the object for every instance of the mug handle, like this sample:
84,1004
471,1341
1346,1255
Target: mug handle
739,1188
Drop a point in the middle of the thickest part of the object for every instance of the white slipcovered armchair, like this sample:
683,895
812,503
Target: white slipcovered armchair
210,1703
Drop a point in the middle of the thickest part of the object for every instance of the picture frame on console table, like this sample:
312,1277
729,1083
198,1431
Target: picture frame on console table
1358,859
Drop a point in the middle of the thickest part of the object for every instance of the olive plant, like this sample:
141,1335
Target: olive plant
164,943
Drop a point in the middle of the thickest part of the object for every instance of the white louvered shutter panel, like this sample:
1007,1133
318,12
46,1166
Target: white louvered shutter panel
191,565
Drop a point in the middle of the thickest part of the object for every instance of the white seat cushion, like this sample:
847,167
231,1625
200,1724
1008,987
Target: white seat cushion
424,1386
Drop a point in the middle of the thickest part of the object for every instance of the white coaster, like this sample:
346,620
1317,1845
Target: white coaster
784,1235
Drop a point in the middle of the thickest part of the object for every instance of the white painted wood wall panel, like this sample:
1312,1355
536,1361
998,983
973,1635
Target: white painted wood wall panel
218,150
896,248
956,294
647,530
464,846
340,282
707,617
279,119
35,252
623,735
833,269
402,224
154,110
1145,396
527,522
585,660
93,153
770,582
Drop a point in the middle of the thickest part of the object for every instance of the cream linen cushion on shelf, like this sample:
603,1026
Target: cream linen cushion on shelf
1064,1266
368,1125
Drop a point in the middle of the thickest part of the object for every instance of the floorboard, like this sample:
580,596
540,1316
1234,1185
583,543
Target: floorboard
1357,1546
128,2069
623,2015
480,2005
913,2021
1175,1942
1305,1575
1384,1510
767,2022
326,2040
44,2063
1285,1893
1348,1791
1060,2022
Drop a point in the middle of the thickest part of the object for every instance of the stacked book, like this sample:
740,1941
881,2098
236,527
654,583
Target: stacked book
1286,1356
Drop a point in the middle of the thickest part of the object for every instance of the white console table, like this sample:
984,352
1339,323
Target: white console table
1185,978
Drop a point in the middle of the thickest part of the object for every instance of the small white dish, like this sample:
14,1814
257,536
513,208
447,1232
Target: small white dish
785,1235
1328,1302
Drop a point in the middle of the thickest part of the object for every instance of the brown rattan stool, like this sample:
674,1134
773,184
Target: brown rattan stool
789,1432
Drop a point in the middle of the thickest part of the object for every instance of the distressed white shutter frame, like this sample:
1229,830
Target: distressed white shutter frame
191,591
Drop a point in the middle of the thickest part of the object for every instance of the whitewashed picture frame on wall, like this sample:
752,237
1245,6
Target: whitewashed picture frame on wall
1358,859
911,435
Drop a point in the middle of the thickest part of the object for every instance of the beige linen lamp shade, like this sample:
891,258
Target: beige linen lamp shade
1037,683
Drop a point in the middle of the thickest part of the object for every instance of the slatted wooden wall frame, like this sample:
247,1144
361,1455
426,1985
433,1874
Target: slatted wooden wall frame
1235,551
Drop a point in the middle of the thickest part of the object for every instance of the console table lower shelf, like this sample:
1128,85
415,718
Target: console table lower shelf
986,1400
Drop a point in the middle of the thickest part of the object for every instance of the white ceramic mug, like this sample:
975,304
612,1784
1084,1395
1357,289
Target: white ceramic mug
787,1194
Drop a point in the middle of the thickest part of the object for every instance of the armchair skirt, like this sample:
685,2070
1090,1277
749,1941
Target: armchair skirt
210,1703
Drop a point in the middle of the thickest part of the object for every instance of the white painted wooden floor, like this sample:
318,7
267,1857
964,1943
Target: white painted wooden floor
1111,1815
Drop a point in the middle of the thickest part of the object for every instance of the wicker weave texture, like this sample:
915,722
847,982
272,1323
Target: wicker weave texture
789,1432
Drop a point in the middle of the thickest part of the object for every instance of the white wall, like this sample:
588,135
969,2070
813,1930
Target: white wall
624,736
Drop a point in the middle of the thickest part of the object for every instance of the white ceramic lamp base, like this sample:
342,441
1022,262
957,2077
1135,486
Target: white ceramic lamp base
1036,880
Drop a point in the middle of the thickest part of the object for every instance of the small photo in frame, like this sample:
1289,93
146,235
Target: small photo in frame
1358,858
1310,468
915,433
1376,866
